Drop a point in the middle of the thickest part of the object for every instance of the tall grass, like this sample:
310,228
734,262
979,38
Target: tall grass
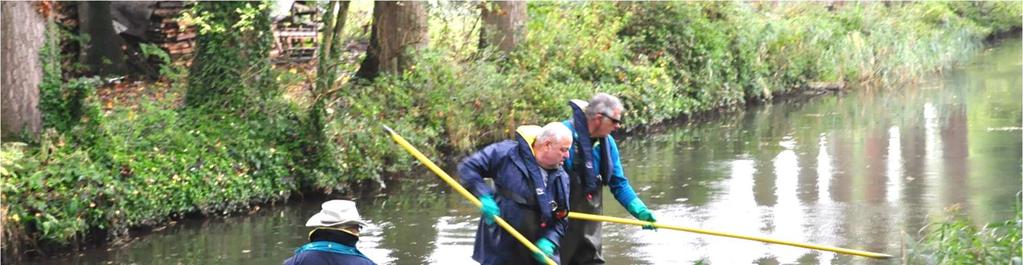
957,240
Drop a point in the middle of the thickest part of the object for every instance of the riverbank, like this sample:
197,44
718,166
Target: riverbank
140,167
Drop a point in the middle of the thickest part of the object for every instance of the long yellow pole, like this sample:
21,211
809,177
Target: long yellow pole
461,190
601,218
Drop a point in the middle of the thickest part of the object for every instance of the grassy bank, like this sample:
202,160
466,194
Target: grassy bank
957,240
134,166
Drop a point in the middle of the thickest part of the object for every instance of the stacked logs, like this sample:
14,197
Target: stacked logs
294,35
168,32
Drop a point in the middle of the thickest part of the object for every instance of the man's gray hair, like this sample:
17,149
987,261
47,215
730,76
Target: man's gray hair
603,103
552,132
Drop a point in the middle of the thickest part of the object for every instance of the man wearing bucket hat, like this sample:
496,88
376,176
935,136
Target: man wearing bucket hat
332,241
594,163
530,193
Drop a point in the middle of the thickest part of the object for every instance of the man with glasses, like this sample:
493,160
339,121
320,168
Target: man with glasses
594,163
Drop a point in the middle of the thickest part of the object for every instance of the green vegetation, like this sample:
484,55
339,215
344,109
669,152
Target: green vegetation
231,69
241,139
956,240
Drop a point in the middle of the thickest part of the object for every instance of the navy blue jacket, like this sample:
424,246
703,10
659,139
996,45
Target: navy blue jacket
329,247
526,201
326,258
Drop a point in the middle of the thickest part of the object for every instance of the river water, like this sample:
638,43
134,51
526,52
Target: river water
863,170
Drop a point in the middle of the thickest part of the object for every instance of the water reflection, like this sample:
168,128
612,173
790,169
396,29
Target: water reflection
864,170
894,166
455,239
824,170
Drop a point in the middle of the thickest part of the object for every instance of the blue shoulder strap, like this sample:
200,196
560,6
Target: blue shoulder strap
591,178
332,247
527,162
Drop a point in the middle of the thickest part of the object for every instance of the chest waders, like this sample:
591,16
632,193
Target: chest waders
582,241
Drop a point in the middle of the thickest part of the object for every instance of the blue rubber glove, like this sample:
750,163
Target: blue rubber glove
546,248
639,210
489,208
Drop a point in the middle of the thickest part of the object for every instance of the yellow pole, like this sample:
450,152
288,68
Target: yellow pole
601,218
461,190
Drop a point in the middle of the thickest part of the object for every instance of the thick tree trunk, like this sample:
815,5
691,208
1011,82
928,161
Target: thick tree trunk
399,28
102,52
24,33
504,24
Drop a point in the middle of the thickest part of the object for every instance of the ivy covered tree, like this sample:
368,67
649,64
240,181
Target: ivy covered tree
232,64
331,36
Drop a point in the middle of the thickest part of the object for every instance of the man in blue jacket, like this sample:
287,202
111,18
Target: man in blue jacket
530,193
593,164
332,241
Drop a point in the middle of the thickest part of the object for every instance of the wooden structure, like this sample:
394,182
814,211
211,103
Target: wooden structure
166,30
294,35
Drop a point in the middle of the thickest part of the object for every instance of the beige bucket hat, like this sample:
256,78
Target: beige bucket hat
336,212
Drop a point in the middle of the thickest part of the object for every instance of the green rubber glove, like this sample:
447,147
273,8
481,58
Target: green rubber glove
489,208
639,210
546,248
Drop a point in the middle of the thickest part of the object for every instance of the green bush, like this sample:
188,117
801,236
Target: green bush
232,68
148,165
726,53
998,16
127,167
956,240
663,59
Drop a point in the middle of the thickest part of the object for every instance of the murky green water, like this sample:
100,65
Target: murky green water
864,170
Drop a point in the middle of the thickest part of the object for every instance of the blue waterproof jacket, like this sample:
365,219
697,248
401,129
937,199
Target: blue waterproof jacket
527,202
616,182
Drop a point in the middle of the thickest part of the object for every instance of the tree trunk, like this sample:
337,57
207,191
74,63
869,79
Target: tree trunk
231,68
326,83
330,47
504,24
102,52
24,33
399,28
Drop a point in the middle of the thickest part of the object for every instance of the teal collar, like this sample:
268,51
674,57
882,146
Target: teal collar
327,246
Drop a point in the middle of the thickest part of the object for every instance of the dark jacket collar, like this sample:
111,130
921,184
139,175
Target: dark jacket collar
333,236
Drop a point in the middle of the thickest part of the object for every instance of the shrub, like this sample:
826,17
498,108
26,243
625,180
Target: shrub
956,240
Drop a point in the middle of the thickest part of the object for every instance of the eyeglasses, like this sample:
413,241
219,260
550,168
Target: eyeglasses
616,121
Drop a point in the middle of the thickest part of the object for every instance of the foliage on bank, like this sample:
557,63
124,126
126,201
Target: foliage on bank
957,240
99,173
663,59
145,165
231,69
